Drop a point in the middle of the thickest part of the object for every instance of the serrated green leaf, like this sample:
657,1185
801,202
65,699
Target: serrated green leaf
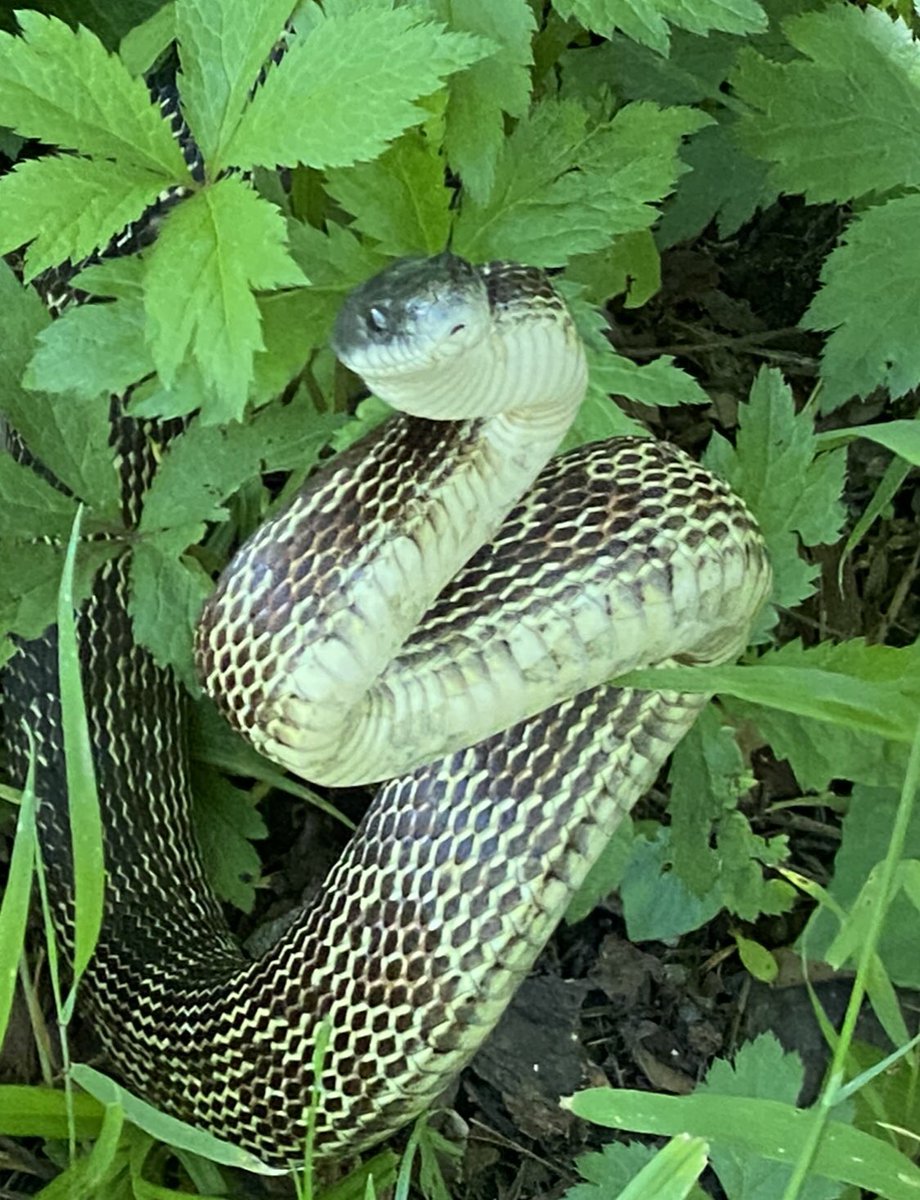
871,284
725,185
346,88
92,350
208,463
67,207
776,444
222,48
226,820
495,87
819,752
28,596
29,506
742,856
213,250
647,21
562,189
610,374
167,592
400,199
606,1173
761,1068
63,87
69,438
840,122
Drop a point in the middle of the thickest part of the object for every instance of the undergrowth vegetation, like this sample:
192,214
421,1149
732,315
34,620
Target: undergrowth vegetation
584,136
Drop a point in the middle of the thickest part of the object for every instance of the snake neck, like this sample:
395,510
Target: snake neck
406,510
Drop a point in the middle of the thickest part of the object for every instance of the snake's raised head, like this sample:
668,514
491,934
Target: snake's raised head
412,316
443,339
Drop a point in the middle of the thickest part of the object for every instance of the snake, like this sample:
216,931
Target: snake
439,610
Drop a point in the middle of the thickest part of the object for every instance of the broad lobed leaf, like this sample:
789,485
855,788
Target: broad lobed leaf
63,87
213,250
840,122
67,207
347,87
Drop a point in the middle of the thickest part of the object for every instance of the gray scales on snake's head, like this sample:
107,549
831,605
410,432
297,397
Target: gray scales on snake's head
437,607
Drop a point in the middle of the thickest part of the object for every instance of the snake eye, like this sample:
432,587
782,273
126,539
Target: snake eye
376,319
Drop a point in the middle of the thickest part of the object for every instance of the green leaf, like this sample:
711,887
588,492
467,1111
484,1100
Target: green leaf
69,438
222,48
771,1128
92,350
647,20
756,959
839,122
85,1177
610,374
707,777
866,833
775,445
795,687
902,437
29,506
725,185
28,597
167,592
489,90
145,43
635,1172
399,199
206,464
761,1069
606,1173
42,1112
67,207
871,283
656,901
346,88
226,821
213,250
63,87
563,189
164,1128
82,797
605,875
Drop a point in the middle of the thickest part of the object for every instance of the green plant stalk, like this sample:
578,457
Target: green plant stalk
323,1035
831,1091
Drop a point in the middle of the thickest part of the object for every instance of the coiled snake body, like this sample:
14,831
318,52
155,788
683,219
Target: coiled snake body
438,607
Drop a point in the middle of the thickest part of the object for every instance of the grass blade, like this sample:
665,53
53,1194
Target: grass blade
85,819
165,1128
14,910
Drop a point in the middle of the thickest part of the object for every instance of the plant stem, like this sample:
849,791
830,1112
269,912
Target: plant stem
829,1092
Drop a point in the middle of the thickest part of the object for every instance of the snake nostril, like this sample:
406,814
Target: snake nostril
457,329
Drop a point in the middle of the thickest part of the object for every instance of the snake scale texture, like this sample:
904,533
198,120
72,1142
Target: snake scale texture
436,607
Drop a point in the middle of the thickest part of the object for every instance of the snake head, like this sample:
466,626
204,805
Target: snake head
411,317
